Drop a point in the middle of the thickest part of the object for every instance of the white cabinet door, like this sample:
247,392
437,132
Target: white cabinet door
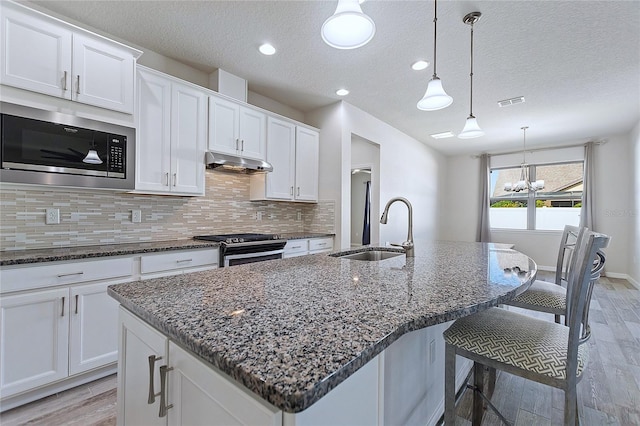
201,396
138,374
281,154
252,133
103,74
34,339
153,144
36,53
93,339
307,157
224,125
188,136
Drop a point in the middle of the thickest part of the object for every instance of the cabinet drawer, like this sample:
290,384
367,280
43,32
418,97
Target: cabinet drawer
177,260
320,244
296,246
27,277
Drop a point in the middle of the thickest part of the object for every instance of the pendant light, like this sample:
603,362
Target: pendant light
435,97
92,156
348,27
471,128
524,183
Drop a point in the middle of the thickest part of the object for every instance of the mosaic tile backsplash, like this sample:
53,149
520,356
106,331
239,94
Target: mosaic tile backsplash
104,217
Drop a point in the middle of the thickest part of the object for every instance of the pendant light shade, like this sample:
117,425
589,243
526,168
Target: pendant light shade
524,184
435,97
471,128
92,157
348,27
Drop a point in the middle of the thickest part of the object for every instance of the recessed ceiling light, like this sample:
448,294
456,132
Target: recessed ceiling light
420,65
267,49
342,92
442,135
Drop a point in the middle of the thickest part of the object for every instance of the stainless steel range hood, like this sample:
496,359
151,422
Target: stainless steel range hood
235,164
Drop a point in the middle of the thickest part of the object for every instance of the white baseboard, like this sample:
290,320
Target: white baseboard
622,276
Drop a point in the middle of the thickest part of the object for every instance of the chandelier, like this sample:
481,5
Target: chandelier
524,183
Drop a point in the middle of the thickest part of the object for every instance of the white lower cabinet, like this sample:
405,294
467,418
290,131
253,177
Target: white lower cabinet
156,265
303,246
58,326
177,389
34,339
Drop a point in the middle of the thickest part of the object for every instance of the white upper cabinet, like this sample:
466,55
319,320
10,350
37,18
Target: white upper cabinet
307,157
293,151
171,139
45,55
236,129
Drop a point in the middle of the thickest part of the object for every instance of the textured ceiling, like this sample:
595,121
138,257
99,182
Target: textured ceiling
577,63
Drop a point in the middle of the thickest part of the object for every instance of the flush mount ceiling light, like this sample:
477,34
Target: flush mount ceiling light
92,157
471,128
348,27
524,183
420,65
267,49
435,97
442,135
342,92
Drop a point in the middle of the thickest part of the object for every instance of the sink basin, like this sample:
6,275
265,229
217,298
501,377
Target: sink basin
371,255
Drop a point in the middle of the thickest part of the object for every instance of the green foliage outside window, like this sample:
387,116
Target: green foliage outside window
508,203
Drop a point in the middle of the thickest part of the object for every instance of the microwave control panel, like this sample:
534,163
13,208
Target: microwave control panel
117,147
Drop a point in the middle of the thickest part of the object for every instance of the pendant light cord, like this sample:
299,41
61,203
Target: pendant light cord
435,24
524,144
471,76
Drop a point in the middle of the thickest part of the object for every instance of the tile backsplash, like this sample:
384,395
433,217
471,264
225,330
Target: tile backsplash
104,217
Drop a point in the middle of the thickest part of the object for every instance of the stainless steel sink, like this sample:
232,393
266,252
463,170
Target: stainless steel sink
370,255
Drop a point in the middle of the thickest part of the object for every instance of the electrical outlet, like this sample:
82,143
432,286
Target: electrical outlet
53,216
259,216
432,352
299,215
136,216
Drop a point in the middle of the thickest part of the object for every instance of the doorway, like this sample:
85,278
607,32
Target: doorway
365,192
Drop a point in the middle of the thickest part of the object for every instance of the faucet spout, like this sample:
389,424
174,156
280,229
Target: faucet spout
407,245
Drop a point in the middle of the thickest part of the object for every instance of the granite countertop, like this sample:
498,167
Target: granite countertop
19,257
291,330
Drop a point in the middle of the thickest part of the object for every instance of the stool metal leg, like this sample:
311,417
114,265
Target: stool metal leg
449,385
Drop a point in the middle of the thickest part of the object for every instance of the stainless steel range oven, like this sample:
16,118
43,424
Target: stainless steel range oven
237,249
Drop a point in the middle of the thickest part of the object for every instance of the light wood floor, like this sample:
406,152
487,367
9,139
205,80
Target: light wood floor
609,393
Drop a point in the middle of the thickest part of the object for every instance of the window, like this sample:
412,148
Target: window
552,207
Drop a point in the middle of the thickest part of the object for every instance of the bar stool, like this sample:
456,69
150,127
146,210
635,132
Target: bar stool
543,351
548,297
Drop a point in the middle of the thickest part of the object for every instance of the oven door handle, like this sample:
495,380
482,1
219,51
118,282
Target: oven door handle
227,258
252,243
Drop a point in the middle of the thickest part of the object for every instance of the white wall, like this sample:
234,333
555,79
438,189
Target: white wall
613,216
634,204
408,168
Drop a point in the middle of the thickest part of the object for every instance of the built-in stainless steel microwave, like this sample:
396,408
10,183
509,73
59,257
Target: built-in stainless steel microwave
51,148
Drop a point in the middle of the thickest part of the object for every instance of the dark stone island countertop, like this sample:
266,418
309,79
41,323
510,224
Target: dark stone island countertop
291,330
19,257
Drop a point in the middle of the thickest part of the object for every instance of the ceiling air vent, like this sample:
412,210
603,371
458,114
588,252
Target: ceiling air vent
512,101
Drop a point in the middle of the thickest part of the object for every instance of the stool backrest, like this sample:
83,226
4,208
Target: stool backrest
567,245
582,276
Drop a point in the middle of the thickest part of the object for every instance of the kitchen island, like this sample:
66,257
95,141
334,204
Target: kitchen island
314,336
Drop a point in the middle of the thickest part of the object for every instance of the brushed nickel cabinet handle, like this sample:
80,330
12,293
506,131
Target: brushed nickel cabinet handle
291,191
175,179
78,84
152,393
166,179
184,260
76,304
62,313
64,86
298,191
237,144
70,274
242,146
163,391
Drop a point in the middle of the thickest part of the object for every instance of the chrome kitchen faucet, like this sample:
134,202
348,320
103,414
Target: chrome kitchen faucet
407,245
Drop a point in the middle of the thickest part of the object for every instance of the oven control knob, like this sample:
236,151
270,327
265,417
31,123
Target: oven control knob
240,240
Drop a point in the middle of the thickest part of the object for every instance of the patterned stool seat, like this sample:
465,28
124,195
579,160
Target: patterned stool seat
523,342
544,297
